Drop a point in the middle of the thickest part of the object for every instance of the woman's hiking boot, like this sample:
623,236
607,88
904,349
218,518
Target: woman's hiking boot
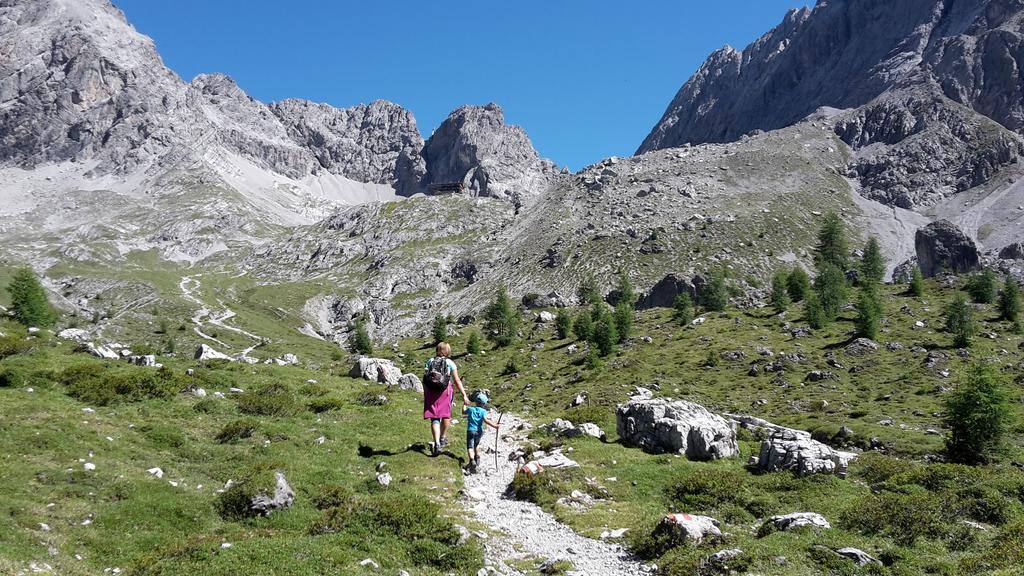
435,448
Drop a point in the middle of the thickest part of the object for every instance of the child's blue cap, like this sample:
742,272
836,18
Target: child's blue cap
482,398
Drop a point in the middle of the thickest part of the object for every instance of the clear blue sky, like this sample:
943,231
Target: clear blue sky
586,79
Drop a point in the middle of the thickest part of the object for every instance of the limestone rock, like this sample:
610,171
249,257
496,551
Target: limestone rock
283,497
942,245
377,370
665,425
474,146
683,529
797,520
795,450
859,556
410,382
205,352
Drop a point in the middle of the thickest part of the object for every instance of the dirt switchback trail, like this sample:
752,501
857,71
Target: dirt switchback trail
526,530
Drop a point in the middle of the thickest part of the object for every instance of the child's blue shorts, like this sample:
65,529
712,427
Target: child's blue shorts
473,438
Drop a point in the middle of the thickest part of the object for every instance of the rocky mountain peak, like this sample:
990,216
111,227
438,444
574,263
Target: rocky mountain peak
882,64
475,146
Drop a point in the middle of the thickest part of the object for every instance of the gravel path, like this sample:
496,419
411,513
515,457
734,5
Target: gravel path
527,531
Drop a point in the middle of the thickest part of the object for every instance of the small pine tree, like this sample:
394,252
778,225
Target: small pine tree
814,313
1009,300
978,414
626,291
715,296
832,248
583,326
162,326
589,293
501,320
623,318
682,309
798,284
605,334
563,324
28,300
960,321
473,345
916,283
362,344
170,346
869,311
872,264
780,295
440,330
982,287
830,286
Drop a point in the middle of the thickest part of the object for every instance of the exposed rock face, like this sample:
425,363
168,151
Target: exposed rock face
941,245
665,425
789,449
204,352
475,146
664,293
1013,251
920,72
795,450
378,142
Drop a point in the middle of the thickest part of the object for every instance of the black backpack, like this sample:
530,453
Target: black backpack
438,374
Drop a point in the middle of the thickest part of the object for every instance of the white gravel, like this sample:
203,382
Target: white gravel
525,530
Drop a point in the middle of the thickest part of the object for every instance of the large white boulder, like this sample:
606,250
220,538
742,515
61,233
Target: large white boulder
688,528
377,370
204,352
794,450
666,425
147,360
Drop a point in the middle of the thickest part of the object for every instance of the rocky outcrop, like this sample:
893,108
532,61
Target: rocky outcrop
474,146
679,426
377,370
797,520
204,352
664,293
265,504
379,142
1013,251
794,450
942,246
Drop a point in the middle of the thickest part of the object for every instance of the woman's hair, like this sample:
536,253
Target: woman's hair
444,349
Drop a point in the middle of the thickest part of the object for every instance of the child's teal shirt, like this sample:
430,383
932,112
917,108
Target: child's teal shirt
475,418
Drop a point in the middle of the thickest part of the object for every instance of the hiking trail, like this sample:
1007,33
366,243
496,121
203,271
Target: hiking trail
189,285
524,530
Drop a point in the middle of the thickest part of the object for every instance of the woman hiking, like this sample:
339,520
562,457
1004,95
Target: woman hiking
441,372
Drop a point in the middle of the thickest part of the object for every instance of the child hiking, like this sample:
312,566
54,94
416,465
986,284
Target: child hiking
440,374
476,417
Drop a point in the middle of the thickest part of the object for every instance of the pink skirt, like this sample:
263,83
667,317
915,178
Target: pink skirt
437,404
